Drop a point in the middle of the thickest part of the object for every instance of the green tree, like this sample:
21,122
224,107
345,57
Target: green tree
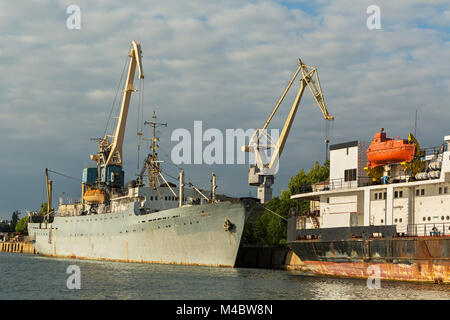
43,209
270,229
4,227
22,225
14,220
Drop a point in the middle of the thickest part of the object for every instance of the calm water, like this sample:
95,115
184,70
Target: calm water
35,277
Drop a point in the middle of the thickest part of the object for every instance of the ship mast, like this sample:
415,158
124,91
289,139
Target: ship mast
152,163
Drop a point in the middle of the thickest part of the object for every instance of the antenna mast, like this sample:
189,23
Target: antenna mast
153,166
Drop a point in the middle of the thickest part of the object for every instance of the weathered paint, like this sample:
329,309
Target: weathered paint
190,235
417,271
138,261
424,259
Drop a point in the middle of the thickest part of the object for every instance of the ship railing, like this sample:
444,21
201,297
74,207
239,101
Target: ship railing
333,185
435,150
429,229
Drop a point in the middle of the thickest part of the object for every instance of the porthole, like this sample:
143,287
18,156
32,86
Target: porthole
442,218
448,218
381,220
396,220
400,220
429,218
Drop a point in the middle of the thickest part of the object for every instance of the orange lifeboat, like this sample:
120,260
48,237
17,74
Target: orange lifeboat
94,196
383,151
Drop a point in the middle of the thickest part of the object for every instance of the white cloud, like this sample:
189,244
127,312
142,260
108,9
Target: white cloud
225,63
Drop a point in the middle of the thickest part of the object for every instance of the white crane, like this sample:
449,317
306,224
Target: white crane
262,173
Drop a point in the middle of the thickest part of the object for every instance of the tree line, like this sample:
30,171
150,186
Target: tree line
18,224
269,229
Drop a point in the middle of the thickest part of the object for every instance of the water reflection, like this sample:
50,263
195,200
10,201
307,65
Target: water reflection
35,277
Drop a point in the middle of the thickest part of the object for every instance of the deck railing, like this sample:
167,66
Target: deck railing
333,184
429,229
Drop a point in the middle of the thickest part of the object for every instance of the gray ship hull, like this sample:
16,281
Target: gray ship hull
191,235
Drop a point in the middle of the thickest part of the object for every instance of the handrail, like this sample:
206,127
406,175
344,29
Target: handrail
333,184
429,229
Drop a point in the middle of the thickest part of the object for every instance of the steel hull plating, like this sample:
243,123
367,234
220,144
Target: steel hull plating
190,235
423,259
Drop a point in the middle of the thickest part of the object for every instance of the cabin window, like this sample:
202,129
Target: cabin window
400,194
376,196
445,190
396,194
328,200
440,190
380,196
350,175
384,195
422,192
156,197
417,192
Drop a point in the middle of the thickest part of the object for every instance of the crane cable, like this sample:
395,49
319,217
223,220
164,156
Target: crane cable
115,98
176,179
273,212
64,175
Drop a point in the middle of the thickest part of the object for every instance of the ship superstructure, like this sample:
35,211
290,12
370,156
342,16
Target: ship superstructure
134,222
385,204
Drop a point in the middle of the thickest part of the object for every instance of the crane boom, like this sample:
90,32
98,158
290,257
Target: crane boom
115,149
262,174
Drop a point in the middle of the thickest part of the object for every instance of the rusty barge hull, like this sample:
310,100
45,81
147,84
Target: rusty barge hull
418,259
191,235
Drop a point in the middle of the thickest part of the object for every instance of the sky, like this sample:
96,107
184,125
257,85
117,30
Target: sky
225,63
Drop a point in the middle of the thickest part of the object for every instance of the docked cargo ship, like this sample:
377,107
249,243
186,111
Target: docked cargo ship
384,205
134,222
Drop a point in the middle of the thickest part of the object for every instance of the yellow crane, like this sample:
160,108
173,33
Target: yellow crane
109,156
262,173
114,149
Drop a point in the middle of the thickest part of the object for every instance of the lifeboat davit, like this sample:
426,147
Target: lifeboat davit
94,196
383,151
